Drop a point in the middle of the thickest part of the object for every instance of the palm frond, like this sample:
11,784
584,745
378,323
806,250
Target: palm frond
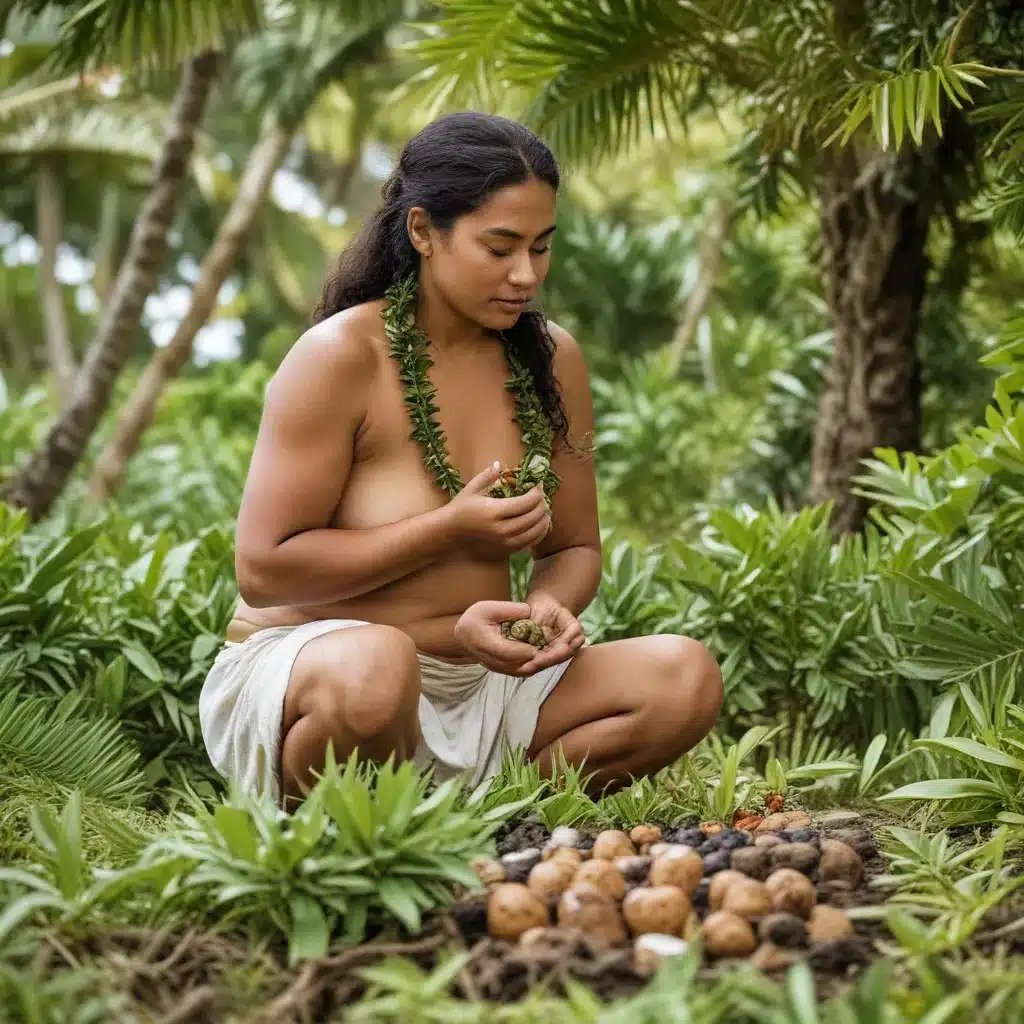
459,55
129,130
598,73
66,743
282,70
128,33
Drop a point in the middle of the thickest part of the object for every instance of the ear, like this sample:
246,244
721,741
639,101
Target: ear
417,223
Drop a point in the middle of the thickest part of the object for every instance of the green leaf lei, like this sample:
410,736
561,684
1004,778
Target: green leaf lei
409,345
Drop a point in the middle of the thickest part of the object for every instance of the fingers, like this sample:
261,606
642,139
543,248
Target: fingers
557,651
502,611
483,479
509,508
533,531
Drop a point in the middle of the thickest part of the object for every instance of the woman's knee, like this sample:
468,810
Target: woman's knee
690,690
366,686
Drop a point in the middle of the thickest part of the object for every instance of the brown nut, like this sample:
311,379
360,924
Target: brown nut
711,828
798,856
749,824
566,855
791,892
768,957
645,834
726,934
748,899
782,929
488,870
828,923
550,878
719,883
684,870
783,819
603,875
512,909
612,844
660,849
592,912
840,863
768,839
753,861
663,909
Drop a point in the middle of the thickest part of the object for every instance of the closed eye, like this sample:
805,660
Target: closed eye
536,252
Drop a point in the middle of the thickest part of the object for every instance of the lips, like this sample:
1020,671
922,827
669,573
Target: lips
512,302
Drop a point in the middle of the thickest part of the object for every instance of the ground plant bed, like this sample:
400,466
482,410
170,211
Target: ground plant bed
607,906
177,975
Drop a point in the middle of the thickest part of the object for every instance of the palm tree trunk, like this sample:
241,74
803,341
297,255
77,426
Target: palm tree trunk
105,250
50,231
875,218
41,480
264,161
712,251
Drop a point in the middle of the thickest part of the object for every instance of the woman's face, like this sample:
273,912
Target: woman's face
493,261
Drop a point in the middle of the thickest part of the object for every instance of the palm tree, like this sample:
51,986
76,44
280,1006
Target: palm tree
592,77
131,32
282,72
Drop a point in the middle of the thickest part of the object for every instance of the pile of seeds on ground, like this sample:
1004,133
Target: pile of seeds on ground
759,890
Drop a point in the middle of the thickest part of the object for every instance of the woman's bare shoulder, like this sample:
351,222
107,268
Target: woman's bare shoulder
353,339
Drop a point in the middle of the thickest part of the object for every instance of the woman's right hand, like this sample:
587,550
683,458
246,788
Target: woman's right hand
498,525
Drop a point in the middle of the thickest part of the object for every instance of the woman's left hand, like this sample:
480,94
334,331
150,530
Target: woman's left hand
562,629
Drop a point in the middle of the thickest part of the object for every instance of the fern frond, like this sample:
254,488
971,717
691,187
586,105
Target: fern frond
71,746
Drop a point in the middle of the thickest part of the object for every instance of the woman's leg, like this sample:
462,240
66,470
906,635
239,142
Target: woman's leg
629,707
355,687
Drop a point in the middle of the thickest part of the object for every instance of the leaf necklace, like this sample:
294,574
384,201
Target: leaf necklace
409,345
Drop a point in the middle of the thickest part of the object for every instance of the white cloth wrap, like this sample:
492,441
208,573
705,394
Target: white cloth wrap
467,712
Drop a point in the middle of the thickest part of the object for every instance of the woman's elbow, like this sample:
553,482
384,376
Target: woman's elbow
253,585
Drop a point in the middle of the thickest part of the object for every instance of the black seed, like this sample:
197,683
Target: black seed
731,839
802,835
688,836
700,894
717,861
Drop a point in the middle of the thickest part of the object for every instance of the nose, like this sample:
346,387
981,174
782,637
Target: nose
521,274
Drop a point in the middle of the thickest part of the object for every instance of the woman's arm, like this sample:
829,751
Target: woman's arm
567,565
285,550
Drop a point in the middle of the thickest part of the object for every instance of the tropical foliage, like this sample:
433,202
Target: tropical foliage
742,177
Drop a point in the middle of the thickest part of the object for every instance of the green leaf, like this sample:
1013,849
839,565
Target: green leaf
143,661
800,988
310,933
395,895
822,770
871,759
973,750
16,913
56,567
238,831
944,789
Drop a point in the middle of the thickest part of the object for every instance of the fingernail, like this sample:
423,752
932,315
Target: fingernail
497,466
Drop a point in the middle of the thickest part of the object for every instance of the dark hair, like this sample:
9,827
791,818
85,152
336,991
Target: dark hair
449,169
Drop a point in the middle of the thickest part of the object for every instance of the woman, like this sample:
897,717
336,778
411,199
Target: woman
374,583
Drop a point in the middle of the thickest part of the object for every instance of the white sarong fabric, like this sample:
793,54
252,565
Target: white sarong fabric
467,712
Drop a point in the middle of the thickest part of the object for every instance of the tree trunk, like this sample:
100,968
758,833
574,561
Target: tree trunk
875,211
50,231
105,250
712,251
40,482
166,363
